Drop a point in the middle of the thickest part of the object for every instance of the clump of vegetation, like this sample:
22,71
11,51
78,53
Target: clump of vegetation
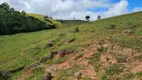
132,76
95,61
121,59
114,69
36,74
48,45
111,26
76,30
128,32
138,57
79,55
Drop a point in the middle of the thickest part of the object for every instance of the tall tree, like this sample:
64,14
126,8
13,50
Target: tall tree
87,17
23,12
5,6
99,17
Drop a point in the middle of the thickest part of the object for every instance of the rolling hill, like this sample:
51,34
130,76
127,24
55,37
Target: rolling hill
107,49
72,22
41,18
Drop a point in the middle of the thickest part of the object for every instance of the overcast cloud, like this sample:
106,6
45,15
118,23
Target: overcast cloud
69,9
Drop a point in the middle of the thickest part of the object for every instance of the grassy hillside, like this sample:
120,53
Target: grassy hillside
107,49
41,17
73,22
66,23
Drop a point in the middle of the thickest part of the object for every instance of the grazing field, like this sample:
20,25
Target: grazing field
107,49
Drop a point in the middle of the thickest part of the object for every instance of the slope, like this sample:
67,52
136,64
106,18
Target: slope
41,18
73,22
103,50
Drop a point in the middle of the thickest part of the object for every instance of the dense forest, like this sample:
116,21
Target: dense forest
12,21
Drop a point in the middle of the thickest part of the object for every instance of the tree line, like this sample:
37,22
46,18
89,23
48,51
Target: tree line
12,21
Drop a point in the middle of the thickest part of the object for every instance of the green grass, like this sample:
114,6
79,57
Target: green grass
138,57
26,48
36,74
114,69
69,73
132,76
41,18
95,61
73,22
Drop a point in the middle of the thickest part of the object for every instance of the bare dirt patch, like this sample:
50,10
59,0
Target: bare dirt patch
107,59
136,66
64,52
111,56
64,65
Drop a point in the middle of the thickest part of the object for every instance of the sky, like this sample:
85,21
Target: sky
78,9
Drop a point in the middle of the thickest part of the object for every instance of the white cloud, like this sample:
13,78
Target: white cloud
68,9
136,9
118,9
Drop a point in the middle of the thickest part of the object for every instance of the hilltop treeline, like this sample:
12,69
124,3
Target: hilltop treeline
12,21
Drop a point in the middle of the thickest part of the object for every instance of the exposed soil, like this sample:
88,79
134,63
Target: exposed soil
106,59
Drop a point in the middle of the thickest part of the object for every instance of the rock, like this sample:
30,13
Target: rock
77,75
111,26
48,45
128,32
44,59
